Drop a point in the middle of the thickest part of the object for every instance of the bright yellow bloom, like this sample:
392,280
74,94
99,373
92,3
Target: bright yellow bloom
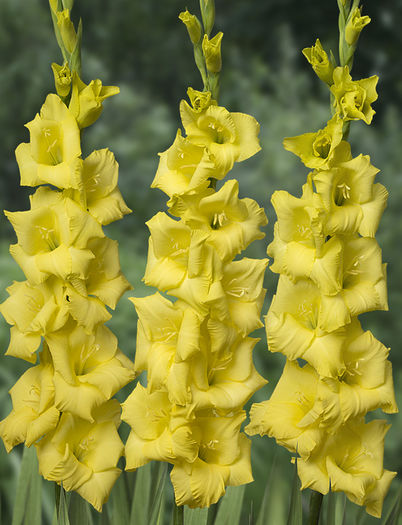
316,150
230,223
34,413
223,459
353,98
352,462
238,297
53,154
99,179
45,311
355,25
229,137
319,61
89,369
352,201
62,79
53,237
283,416
212,52
83,455
183,168
86,100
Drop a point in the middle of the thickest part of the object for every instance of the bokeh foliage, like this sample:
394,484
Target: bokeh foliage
142,47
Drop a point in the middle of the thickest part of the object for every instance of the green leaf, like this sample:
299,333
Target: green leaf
263,514
120,504
178,514
295,510
28,499
158,502
142,491
195,516
62,518
331,508
68,4
230,507
394,511
78,511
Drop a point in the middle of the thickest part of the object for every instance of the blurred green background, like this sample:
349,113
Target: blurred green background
142,47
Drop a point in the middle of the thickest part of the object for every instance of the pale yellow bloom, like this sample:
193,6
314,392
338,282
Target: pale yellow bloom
53,237
67,31
183,168
53,154
193,25
320,62
211,49
34,413
86,100
355,25
44,311
83,455
99,179
316,150
353,98
229,137
62,78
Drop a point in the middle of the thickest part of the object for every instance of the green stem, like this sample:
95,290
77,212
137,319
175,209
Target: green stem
315,508
178,515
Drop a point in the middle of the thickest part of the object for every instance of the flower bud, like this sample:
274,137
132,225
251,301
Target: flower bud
67,30
355,25
212,52
62,79
200,100
193,25
208,14
319,61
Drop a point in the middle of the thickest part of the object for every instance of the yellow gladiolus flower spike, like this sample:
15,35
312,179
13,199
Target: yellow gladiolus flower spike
53,154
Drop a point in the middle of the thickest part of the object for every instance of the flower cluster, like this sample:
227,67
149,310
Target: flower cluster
196,349
331,271
63,404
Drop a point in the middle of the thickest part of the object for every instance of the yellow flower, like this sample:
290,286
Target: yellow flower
232,378
356,23
52,155
353,203
230,223
351,461
86,100
316,150
212,52
62,79
229,137
83,455
99,179
193,25
183,168
302,323
283,415
67,31
353,98
238,297
223,459
200,100
89,369
34,413
53,237
45,310
160,431
319,61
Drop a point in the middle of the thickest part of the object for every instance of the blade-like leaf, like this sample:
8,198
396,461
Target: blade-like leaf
28,489
120,504
230,507
331,508
78,510
178,515
295,510
158,500
394,512
195,516
62,518
263,514
142,490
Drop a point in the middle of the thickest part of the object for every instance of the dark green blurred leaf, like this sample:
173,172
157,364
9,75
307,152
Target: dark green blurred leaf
62,518
394,512
79,511
27,506
159,497
195,516
142,490
229,511
295,516
263,514
331,508
120,504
